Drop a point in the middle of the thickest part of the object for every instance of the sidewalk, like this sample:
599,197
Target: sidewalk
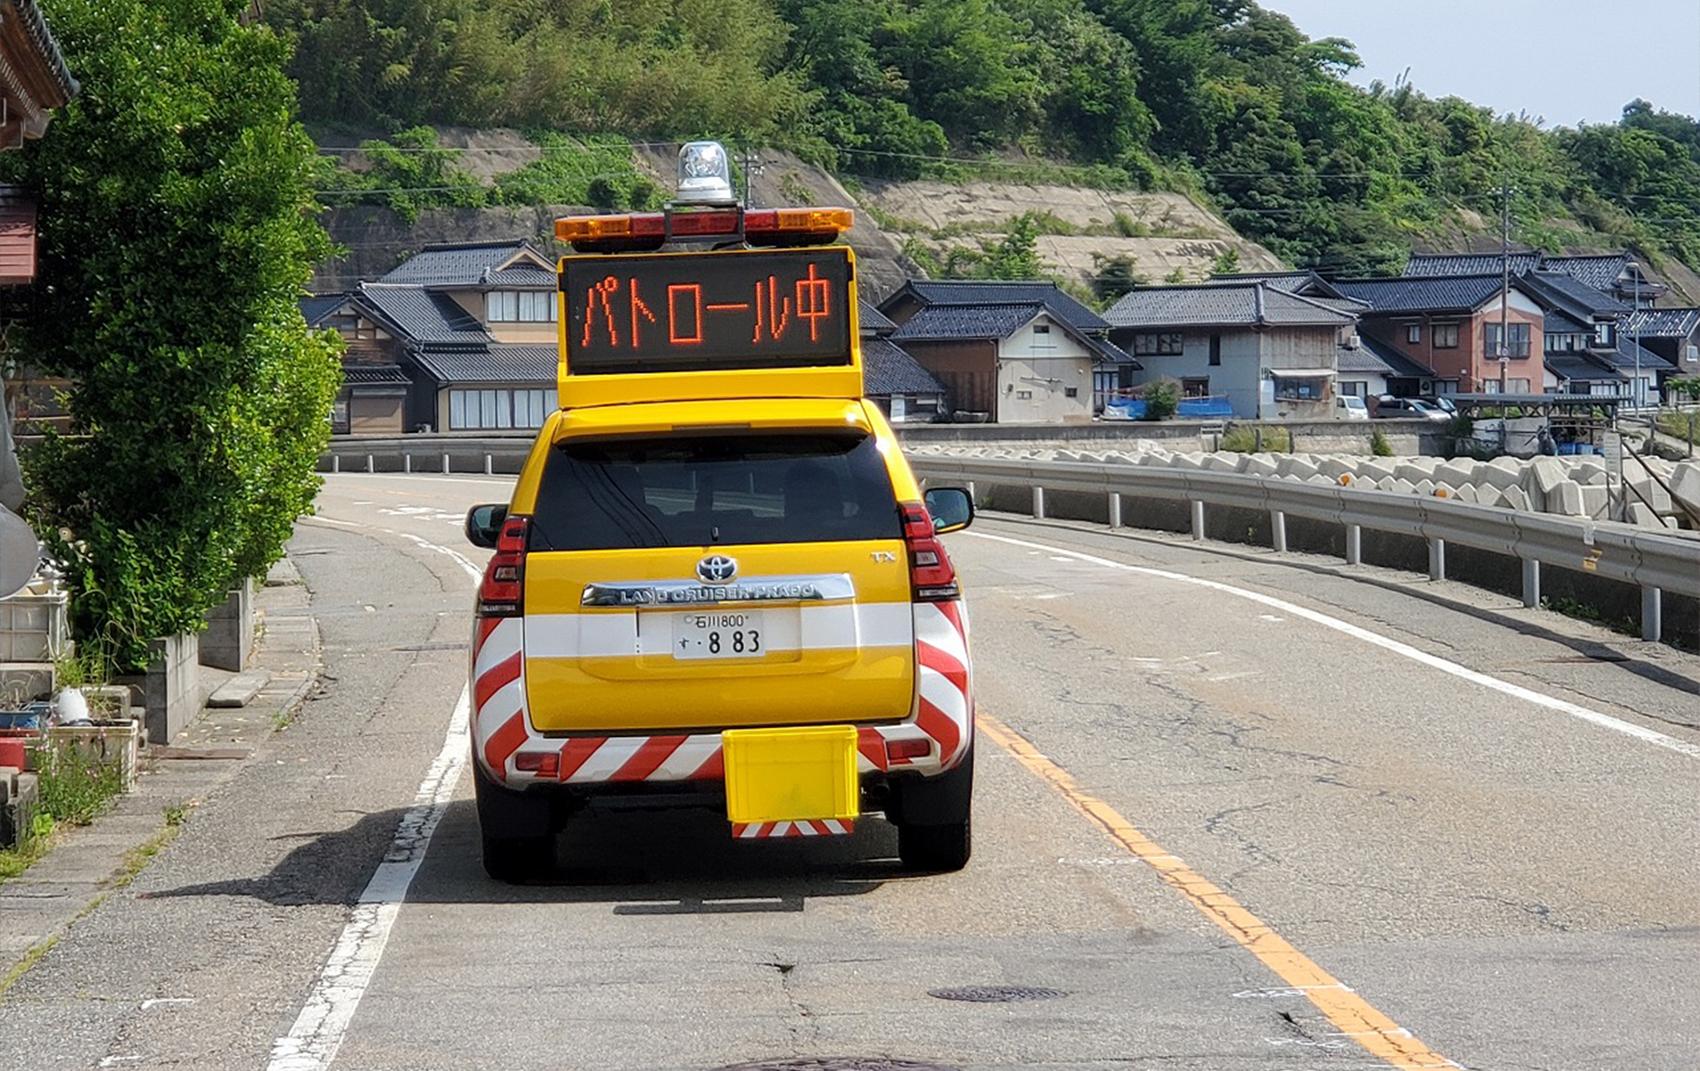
87,863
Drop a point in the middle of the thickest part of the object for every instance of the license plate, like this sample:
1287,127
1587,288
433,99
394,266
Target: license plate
719,634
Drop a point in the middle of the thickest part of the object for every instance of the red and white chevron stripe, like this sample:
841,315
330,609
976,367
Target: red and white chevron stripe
942,716
827,827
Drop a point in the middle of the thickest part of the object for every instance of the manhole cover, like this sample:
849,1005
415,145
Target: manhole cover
996,994
836,1063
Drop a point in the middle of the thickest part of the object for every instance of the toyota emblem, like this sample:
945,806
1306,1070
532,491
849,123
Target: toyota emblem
717,569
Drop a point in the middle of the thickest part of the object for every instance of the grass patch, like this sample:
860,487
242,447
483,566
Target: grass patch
1582,611
1256,438
1684,426
137,859
31,958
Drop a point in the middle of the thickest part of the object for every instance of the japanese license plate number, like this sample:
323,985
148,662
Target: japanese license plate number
719,634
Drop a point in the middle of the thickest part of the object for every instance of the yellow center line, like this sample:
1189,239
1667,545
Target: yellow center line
1354,1016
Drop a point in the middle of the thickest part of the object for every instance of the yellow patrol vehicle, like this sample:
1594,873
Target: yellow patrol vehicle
717,581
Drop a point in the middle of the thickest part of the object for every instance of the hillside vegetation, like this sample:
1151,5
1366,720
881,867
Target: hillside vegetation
1216,98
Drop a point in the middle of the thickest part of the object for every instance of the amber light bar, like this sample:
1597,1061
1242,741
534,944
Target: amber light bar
650,230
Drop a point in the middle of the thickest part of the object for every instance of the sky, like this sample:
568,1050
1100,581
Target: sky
1567,61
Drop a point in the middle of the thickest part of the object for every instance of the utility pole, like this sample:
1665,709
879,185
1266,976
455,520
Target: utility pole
1505,283
1635,336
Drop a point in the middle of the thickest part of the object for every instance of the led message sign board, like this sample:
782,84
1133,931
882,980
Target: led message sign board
722,310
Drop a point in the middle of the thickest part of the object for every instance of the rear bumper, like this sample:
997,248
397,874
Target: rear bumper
511,751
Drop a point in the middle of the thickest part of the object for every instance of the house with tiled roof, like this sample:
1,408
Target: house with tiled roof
1616,275
1586,347
458,337
891,378
1451,324
1268,352
1673,334
1368,369
1015,351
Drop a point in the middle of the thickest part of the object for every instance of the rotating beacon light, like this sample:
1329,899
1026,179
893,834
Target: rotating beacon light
705,175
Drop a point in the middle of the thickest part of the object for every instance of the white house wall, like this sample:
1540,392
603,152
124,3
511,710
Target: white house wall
1045,366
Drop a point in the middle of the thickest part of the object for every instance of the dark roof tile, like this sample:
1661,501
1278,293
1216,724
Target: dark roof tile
873,321
421,315
1400,365
887,370
938,323
936,292
1453,293
532,364
316,308
1559,322
1663,323
1431,264
1575,366
461,264
1256,304
1574,295
358,374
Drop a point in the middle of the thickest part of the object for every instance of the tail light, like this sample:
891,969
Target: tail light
502,594
930,572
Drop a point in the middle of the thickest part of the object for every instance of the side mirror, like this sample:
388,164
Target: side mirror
951,508
484,524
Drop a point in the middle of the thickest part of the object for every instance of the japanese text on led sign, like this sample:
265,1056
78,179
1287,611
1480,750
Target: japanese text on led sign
693,311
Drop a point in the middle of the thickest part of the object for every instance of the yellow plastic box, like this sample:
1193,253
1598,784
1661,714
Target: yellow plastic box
791,775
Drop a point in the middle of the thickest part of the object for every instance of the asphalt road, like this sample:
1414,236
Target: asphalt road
1243,813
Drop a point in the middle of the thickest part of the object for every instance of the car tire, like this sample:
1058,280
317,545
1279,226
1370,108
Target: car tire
934,819
936,849
517,830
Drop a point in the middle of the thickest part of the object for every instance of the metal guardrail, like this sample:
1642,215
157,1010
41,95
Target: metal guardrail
1655,563
487,453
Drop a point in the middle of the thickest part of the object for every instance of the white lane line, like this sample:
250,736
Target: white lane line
312,1042
459,559
1594,717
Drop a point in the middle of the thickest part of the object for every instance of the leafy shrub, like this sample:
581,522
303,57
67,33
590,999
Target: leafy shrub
1162,398
180,237
1378,444
596,171
408,172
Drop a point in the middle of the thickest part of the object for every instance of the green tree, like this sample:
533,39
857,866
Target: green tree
176,235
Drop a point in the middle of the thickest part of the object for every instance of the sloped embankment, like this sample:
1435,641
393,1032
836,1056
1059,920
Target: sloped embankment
1161,234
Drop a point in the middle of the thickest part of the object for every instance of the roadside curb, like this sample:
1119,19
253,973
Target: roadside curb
87,864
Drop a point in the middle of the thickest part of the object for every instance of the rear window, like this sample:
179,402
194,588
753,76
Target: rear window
605,494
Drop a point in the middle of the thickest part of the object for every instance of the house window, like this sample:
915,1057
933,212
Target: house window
1444,336
1071,392
1517,386
1295,388
520,306
1041,329
1195,387
1354,388
480,409
1413,333
1517,347
1159,345
1215,349
1024,395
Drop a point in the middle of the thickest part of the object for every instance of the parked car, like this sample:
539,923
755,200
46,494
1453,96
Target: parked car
1350,407
1388,406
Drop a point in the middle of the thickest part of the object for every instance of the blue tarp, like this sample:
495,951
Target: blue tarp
1134,408
1214,406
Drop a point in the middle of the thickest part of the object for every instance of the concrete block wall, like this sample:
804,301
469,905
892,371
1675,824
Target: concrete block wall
1567,486
169,692
228,641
